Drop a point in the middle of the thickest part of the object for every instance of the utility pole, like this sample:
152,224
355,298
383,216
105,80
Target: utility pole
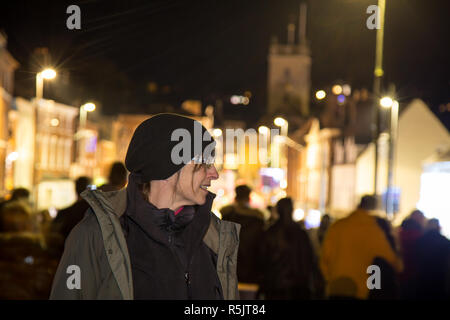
378,73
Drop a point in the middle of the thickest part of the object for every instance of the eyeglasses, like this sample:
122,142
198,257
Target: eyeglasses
205,162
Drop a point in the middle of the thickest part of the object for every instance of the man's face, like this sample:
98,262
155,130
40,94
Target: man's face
193,182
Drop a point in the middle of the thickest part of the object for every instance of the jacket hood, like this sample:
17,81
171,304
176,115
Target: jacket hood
112,201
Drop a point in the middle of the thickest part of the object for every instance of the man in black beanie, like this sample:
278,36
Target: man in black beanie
157,238
154,148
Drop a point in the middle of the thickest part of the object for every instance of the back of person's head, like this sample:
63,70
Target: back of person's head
418,217
368,202
325,221
81,184
284,209
20,193
433,225
16,217
118,174
243,193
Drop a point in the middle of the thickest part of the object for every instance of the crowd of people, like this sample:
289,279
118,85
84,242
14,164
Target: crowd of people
282,260
277,257
32,243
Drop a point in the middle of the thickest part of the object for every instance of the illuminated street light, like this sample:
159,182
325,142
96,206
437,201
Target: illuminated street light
89,107
386,102
279,121
217,132
48,74
346,89
240,100
235,100
13,156
84,109
54,122
263,130
320,95
283,124
337,89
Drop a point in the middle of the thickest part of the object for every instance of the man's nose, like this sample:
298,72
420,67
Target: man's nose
212,173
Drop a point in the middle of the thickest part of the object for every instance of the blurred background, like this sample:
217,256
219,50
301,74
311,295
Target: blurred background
359,111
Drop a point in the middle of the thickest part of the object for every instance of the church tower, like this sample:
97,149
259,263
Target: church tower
289,72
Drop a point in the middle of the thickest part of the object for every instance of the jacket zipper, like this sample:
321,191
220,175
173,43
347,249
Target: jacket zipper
187,275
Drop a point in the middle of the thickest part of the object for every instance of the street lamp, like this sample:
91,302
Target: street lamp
47,74
336,89
263,130
391,163
320,95
84,109
389,103
264,144
378,74
386,102
217,132
81,133
283,124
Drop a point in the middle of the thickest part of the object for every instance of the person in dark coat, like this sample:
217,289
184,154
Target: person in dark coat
432,254
26,266
325,223
390,283
18,194
289,267
252,225
117,178
157,238
67,218
411,230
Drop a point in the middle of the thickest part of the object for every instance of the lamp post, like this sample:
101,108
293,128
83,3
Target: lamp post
283,124
264,144
81,133
378,73
40,76
84,109
46,74
389,103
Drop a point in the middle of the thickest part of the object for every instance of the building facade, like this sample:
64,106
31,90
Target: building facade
54,154
7,67
289,72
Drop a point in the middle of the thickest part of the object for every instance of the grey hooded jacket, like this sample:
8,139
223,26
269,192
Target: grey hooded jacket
96,263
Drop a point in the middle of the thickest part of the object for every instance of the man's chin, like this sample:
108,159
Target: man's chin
201,201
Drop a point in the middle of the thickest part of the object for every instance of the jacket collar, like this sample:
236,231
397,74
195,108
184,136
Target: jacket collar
118,203
113,201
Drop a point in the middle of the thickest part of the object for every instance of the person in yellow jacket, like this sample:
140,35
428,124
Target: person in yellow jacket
350,247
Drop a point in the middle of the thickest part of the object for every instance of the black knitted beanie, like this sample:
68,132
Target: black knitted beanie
158,150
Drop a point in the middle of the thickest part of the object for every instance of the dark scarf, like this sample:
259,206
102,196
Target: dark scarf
156,222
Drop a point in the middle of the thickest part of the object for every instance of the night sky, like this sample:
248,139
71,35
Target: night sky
209,50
